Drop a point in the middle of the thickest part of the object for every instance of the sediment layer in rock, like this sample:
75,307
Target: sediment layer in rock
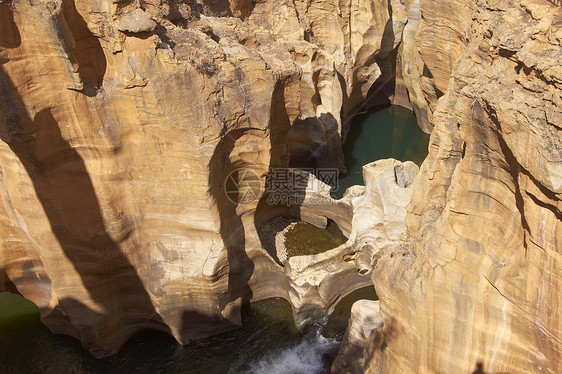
119,128
476,288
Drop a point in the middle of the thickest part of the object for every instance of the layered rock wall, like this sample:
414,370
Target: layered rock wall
477,288
120,124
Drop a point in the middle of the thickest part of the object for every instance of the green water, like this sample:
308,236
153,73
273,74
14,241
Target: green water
27,346
15,306
268,342
388,133
337,322
307,239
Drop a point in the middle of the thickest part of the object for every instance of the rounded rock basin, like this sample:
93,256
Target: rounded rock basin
303,238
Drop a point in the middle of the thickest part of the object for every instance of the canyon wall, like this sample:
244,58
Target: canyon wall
477,286
120,123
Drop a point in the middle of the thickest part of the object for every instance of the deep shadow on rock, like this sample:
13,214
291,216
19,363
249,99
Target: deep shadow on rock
67,195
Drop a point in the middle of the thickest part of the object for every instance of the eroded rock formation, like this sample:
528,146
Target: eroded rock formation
362,341
377,215
120,125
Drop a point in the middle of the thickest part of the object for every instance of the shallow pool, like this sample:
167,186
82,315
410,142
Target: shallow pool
306,239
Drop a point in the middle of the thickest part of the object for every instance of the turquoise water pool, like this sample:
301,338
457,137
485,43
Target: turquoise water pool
391,132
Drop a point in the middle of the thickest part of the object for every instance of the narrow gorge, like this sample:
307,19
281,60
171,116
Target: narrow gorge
171,168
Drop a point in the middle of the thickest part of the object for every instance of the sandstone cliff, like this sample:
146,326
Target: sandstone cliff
119,124
477,287
121,121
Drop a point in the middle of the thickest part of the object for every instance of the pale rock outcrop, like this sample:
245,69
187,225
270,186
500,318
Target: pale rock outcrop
136,21
377,214
362,338
410,69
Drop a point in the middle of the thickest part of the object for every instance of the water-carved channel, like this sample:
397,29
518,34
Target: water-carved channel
268,341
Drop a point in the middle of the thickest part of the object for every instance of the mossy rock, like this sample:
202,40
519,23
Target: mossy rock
306,239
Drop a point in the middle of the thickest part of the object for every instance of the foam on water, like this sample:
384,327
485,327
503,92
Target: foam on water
306,357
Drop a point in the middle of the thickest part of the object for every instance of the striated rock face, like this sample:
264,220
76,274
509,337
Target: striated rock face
362,339
120,127
478,287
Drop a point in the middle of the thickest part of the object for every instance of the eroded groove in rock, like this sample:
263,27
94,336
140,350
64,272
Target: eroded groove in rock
84,47
9,32
67,195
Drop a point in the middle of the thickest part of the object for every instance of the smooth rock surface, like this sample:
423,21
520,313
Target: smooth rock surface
117,150
476,284
362,337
